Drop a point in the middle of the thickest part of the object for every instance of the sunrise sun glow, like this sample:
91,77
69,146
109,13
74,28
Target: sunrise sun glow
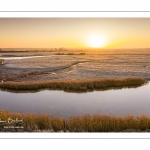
96,41
88,33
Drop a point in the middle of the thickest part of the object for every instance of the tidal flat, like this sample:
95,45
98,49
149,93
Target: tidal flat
80,64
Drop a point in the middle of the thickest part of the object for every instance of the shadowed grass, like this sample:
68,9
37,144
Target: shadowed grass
74,85
96,123
1,61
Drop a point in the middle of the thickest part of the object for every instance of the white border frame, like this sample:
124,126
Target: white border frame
73,14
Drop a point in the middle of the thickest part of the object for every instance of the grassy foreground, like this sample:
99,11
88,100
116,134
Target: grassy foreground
87,123
74,85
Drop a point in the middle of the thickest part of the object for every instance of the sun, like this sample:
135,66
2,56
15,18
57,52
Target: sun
96,41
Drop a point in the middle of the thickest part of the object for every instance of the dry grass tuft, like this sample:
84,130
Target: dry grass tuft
22,75
33,73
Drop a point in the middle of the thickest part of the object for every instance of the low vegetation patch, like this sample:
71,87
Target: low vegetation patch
29,122
81,53
36,73
0,74
69,54
74,85
1,61
22,75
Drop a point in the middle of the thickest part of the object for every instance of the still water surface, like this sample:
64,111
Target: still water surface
10,58
59,103
26,57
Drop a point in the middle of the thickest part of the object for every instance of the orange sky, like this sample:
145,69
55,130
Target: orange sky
74,32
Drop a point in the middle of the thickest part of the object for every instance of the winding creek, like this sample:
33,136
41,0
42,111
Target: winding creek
25,57
59,103
121,102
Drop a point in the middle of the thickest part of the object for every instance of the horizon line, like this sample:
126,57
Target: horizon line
68,48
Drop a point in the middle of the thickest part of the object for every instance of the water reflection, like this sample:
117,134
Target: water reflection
25,57
59,103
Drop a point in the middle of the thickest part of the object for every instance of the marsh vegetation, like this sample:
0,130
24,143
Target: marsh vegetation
96,123
73,85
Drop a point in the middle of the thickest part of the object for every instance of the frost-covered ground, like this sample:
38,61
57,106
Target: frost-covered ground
94,64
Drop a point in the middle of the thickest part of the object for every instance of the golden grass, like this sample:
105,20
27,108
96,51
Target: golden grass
107,123
96,123
74,85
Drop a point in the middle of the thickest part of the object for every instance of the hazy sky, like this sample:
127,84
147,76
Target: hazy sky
74,32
